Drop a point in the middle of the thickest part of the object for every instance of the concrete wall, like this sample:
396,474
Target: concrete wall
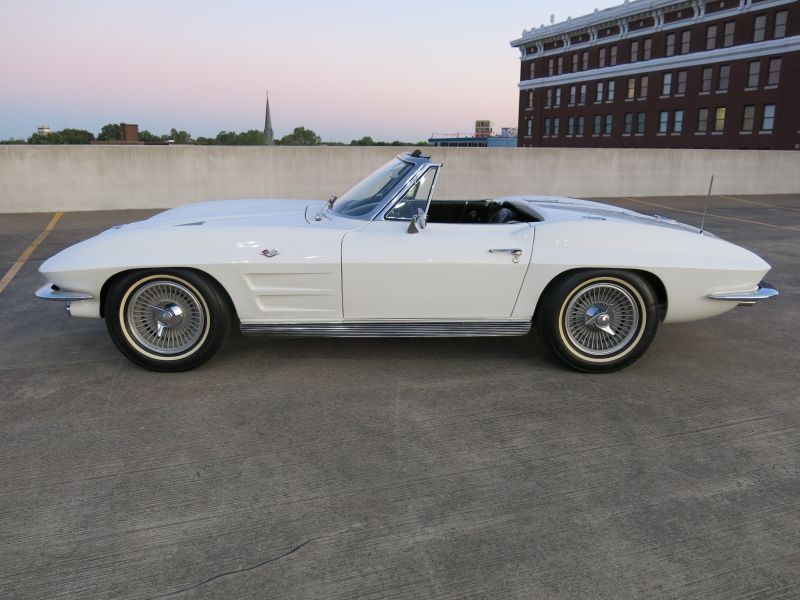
67,178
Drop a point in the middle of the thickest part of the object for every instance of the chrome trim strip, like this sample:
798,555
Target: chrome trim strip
52,292
764,290
390,329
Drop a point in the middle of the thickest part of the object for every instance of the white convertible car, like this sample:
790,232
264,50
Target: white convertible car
385,260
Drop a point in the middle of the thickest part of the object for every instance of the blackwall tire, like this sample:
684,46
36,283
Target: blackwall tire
600,320
167,319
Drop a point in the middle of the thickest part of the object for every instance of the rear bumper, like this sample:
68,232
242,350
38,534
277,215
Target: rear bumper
764,290
53,292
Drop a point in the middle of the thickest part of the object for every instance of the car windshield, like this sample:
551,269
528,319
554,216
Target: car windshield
360,201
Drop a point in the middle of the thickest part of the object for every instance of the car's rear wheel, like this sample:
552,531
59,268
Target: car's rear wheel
166,320
599,321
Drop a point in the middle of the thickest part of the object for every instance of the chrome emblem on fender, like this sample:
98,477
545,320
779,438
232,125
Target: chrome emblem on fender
269,253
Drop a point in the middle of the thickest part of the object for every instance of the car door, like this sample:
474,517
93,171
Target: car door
446,271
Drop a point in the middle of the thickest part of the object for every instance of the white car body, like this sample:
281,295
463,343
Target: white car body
296,267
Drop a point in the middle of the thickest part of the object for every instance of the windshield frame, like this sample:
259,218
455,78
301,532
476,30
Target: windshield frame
388,194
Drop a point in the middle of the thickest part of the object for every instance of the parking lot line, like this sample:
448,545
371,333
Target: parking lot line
713,216
764,204
23,258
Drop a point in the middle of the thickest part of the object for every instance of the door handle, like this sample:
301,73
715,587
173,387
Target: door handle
512,251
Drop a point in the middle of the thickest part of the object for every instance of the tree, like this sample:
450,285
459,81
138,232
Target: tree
110,132
65,136
300,137
146,136
180,137
364,141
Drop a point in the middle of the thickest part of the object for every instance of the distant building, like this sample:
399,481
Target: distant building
482,138
665,73
269,135
43,130
129,133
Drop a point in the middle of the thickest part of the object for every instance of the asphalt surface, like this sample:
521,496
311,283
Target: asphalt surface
477,468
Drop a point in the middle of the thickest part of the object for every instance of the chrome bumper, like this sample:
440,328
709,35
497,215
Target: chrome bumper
53,292
764,290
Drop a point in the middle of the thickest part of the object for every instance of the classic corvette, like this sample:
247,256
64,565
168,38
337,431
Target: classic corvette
385,259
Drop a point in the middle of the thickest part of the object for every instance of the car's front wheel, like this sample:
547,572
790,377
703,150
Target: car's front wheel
166,320
599,321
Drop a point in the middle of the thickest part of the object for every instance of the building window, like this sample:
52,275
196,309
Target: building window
666,85
663,121
557,124
581,123
557,101
547,127
711,37
727,38
724,78
609,124
634,51
686,42
570,126
748,118
530,127
768,120
759,27
599,92
631,88
702,120
598,124
647,49
752,74
640,123
627,128
548,98
611,89
560,64
719,119
530,99
681,88
613,53
550,63
705,85
677,122
780,24
533,69
774,75
585,60
670,51
582,94
601,59
575,62
573,92
644,83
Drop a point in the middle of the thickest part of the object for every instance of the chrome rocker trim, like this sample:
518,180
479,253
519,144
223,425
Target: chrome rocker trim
764,290
368,329
53,292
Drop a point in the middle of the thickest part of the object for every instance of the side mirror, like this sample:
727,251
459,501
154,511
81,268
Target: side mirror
418,222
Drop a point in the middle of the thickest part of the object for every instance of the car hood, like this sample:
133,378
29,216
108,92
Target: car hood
222,212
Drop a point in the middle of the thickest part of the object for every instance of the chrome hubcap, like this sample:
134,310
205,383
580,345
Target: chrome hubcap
165,317
601,319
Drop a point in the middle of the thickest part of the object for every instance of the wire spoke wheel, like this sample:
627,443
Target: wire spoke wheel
601,319
165,317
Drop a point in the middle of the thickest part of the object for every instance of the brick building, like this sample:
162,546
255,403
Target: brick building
665,74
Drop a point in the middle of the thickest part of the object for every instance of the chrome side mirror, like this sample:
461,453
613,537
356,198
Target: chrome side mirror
418,222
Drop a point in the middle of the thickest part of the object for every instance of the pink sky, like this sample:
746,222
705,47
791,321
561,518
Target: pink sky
392,70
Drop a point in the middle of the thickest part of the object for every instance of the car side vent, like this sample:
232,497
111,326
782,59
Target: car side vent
189,224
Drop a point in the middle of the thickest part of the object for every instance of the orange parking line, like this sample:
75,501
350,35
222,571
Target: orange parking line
23,258
764,204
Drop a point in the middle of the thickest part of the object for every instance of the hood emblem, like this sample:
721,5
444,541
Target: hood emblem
269,253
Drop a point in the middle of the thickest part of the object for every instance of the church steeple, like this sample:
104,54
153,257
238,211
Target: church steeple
268,134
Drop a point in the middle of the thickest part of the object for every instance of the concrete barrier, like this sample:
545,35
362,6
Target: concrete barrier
68,178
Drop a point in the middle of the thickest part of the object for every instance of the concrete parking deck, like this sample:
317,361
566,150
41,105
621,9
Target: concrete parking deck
404,468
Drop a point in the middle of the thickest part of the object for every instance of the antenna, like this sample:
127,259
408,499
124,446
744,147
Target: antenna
705,210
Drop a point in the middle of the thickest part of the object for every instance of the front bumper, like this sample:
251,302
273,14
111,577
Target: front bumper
53,292
764,290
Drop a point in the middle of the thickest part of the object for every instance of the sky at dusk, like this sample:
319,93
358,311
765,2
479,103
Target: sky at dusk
388,69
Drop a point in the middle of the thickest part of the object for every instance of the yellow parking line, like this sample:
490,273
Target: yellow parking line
23,258
764,204
713,216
